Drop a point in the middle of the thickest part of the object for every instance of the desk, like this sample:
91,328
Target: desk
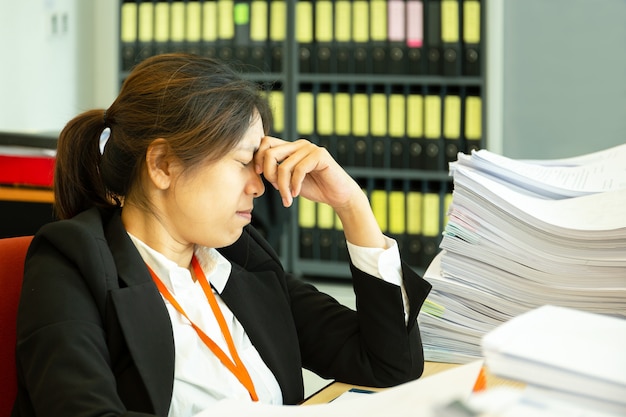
28,195
335,389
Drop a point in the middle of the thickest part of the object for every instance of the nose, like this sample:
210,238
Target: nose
256,186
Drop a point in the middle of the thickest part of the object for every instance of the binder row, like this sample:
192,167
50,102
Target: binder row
435,37
249,32
389,126
411,211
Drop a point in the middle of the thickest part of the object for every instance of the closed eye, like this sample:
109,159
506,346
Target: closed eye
244,163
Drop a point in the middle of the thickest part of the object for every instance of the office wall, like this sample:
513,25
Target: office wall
563,77
556,79
58,58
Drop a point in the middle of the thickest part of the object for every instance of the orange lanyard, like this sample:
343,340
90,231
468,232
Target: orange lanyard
235,366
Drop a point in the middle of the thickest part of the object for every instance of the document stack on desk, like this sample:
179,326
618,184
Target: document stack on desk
521,234
570,360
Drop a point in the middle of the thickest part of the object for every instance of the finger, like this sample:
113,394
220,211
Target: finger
266,143
273,153
309,163
294,170
284,173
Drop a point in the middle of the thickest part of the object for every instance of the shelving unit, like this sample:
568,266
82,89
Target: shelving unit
405,122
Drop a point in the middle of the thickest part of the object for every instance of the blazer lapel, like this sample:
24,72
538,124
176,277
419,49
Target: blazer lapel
257,302
143,318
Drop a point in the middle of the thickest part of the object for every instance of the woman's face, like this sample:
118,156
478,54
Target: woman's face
211,204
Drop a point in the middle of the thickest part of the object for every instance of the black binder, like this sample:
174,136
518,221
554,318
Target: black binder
433,37
128,33
226,30
360,38
323,48
415,36
304,34
450,36
259,37
397,49
208,43
471,37
242,45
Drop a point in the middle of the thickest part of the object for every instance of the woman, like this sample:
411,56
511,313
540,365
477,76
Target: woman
154,296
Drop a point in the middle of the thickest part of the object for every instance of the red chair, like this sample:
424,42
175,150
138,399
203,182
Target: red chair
12,254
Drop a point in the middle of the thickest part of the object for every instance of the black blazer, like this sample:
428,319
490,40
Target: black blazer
95,338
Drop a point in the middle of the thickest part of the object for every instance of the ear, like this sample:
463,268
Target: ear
160,164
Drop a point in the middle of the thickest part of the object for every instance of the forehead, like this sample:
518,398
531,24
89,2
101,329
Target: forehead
252,138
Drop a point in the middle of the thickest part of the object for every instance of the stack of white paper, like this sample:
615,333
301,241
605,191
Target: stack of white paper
563,354
521,234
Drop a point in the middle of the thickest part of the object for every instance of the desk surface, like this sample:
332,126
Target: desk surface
335,389
23,194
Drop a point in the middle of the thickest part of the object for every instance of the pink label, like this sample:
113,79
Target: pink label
414,24
395,22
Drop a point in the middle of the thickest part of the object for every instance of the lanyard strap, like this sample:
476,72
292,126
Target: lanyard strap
235,366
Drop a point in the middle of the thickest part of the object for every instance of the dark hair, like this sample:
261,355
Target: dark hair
199,105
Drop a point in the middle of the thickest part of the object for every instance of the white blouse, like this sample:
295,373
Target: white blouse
200,379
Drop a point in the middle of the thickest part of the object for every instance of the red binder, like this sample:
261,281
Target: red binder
27,170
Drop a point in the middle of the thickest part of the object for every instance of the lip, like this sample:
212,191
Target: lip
247,214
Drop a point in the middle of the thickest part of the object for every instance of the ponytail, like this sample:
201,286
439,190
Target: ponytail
77,181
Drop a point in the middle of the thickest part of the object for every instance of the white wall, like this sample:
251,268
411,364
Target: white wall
50,72
558,82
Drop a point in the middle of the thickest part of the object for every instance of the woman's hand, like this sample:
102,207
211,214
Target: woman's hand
301,168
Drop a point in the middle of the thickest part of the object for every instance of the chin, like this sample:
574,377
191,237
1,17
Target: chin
233,238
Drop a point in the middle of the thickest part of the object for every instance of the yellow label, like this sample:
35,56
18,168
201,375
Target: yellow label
414,210
450,20
278,19
378,22
194,21
432,110
397,115
146,20
304,22
397,215
473,117
306,213
471,21
360,114
343,114
431,215
258,21
324,21
277,102
128,22
209,27
325,216
343,21
452,117
177,10
162,22
226,19
360,19
415,116
305,109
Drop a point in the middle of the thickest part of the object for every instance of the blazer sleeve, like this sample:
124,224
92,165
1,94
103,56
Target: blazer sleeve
371,346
